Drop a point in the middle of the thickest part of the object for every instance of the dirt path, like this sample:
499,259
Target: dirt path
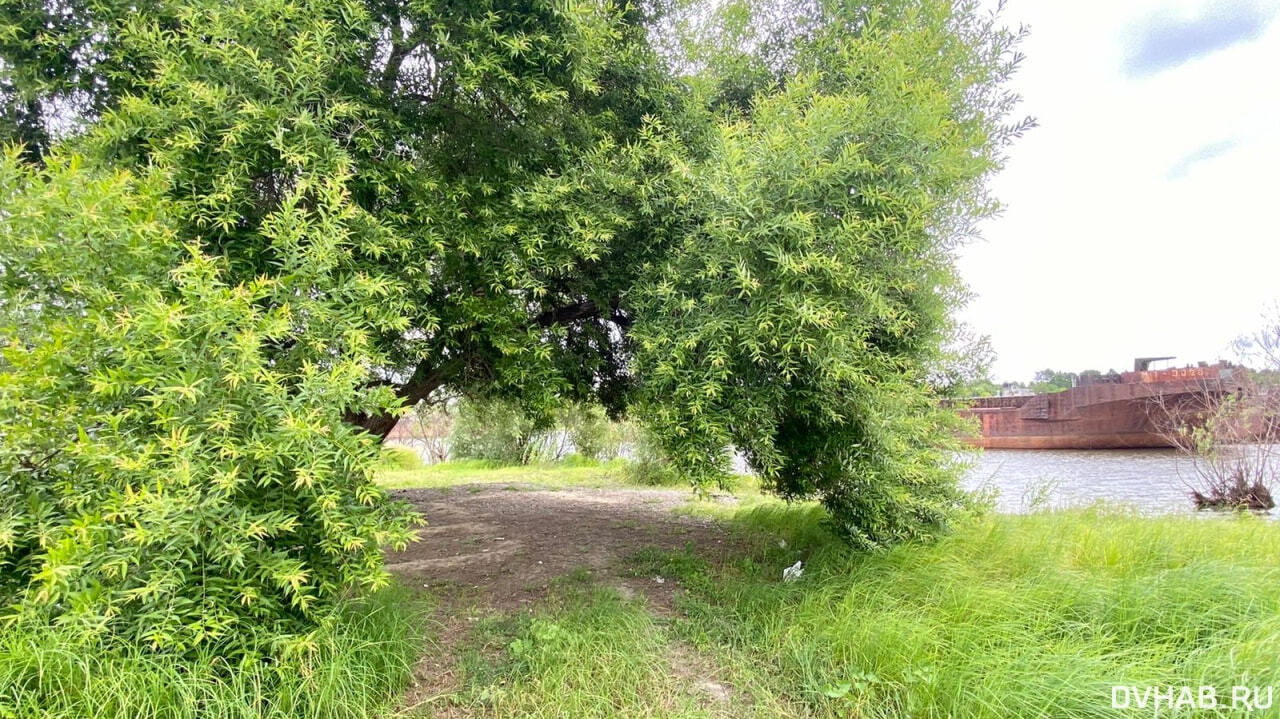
497,548
502,544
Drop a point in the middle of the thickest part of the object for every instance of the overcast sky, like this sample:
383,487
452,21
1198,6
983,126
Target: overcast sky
1141,214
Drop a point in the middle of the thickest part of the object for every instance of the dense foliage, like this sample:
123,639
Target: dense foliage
166,479
738,222
495,431
801,310
501,431
591,433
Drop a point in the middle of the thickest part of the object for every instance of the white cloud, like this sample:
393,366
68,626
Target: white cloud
1113,244
1170,36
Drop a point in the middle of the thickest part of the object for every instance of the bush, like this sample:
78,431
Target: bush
592,434
651,465
172,479
401,458
493,430
501,431
578,460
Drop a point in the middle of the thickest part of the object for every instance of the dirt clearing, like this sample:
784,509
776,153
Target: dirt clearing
501,545
497,548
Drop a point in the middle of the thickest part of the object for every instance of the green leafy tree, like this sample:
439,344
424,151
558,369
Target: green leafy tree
982,387
502,431
590,431
745,233
649,462
490,154
964,367
167,482
1048,380
805,303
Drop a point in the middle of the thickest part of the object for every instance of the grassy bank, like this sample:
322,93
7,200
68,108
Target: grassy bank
570,473
356,670
1009,616
1012,616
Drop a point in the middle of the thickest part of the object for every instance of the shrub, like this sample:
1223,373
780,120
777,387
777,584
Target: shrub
592,434
401,458
171,478
501,431
493,430
1225,428
651,465
578,460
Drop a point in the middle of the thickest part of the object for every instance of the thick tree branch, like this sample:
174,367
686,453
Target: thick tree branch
404,43
427,378
567,313
585,309
424,380
391,75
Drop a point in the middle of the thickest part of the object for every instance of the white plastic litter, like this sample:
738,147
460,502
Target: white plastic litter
792,573
659,580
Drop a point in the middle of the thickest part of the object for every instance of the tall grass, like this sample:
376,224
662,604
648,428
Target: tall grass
1012,616
355,672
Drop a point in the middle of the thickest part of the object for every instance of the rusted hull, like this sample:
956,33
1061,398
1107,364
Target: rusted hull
1132,414
1134,440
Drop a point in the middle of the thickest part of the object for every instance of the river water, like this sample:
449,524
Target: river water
1151,480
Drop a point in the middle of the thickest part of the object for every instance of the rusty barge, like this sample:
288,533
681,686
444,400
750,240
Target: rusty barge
1117,411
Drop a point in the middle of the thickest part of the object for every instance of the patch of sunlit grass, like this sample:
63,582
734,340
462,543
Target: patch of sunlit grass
461,472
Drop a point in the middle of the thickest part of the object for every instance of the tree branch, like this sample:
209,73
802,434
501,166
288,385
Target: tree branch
568,313
427,378
585,309
424,380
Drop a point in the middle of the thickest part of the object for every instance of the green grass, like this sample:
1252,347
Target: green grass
579,473
587,652
571,472
1010,616
356,671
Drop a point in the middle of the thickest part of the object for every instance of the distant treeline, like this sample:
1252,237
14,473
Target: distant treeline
1051,380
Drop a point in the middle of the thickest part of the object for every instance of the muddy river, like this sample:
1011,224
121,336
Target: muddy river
1153,480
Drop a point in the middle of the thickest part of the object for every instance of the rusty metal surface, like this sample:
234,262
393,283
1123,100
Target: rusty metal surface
1133,410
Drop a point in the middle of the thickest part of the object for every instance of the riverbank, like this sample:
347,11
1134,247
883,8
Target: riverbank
558,596
1010,616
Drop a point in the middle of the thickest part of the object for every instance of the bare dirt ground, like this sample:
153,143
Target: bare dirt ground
497,548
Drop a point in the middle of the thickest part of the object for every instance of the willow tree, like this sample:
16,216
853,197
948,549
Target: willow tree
736,224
